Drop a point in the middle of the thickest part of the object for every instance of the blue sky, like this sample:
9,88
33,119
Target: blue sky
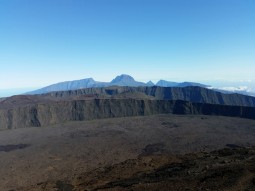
48,41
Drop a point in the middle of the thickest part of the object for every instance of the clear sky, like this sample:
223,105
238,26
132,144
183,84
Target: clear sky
48,41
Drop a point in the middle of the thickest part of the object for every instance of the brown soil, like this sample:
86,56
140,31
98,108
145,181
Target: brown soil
160,152
227,169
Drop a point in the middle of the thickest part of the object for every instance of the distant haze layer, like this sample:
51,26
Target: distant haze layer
246,87
14,91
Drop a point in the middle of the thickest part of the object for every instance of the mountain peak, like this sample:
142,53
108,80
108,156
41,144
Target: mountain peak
123,78
126,80
150,83
89,79
164,83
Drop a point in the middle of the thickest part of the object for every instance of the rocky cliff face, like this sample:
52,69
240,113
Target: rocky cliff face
192,94
44,114
96,103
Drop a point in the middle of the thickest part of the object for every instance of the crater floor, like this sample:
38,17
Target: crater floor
59,157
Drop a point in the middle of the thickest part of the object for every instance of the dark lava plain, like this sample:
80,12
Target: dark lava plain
158,152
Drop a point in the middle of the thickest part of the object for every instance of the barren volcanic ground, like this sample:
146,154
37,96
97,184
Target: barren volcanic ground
132,153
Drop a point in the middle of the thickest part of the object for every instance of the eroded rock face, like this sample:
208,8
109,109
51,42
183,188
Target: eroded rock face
96,103
44,114
191,93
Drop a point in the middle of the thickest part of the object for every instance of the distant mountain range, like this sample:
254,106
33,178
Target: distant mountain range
164,83
121,80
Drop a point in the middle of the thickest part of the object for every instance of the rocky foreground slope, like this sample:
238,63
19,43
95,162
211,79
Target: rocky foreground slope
221,170
131,153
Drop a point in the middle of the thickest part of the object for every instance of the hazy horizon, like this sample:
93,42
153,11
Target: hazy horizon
229,85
